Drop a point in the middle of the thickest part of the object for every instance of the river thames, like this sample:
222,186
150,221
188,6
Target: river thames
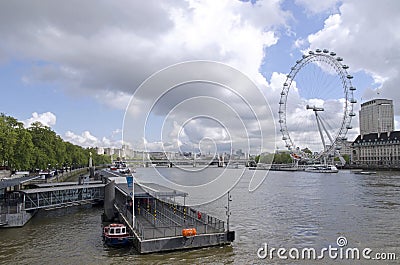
289,210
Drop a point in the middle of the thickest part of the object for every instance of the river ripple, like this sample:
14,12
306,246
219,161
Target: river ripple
291,210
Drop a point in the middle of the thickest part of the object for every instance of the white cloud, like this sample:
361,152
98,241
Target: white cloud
299,43
86,139
124,42
200,110
366,35
46,118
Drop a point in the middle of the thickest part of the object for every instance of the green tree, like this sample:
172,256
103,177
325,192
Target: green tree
39,147
44,140
8,139
266,158
24,150
282,158
307,150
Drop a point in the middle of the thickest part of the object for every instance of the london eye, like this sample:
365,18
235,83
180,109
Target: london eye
316,106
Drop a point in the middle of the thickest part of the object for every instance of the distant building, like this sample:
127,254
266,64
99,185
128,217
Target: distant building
376,116
100,150
345,147
108,151
378,145
377,150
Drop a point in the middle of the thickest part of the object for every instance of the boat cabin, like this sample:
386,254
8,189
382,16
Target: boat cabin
115,230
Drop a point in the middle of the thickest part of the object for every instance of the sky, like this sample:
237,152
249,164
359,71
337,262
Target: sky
81,67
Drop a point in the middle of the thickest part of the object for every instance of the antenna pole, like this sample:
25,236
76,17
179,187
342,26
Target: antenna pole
228,213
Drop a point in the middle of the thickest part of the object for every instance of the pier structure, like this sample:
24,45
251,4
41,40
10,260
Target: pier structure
151,212
157,222
18,206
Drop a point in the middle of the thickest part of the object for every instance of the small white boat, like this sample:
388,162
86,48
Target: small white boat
121,167
362,172
116,235
322,169
235,165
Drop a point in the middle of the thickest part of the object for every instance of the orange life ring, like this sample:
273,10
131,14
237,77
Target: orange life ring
189,232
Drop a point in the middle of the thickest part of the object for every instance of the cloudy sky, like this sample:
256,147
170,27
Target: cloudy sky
74,65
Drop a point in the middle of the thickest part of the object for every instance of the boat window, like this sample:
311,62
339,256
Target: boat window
112,231
123,230
118,230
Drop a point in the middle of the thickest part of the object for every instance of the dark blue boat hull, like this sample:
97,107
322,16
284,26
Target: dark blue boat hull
116,241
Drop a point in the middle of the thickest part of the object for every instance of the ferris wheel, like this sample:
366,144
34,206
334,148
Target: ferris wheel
316,106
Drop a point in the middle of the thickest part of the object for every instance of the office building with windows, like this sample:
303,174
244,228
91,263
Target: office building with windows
376,116
378,145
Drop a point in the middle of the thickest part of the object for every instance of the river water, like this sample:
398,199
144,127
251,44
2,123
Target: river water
289,210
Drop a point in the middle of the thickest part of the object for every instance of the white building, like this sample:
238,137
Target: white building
345,147
377,150
108,151
100,150
376,116
378,145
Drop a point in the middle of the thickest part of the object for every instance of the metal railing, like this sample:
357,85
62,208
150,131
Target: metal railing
163,219
169,222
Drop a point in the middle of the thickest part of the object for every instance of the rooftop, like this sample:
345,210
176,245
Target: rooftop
58,188
377,101
381,137
5,183
143,190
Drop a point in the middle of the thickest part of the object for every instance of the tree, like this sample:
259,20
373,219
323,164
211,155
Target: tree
23,152
282,158
8,139
307,151
39,147
43,139
266,158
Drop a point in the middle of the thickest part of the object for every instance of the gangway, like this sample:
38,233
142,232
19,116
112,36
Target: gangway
21,205
62,196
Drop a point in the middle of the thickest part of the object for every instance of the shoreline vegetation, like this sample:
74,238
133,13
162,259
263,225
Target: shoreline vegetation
38,147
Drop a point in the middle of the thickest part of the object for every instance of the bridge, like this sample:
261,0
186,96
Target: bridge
174,162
